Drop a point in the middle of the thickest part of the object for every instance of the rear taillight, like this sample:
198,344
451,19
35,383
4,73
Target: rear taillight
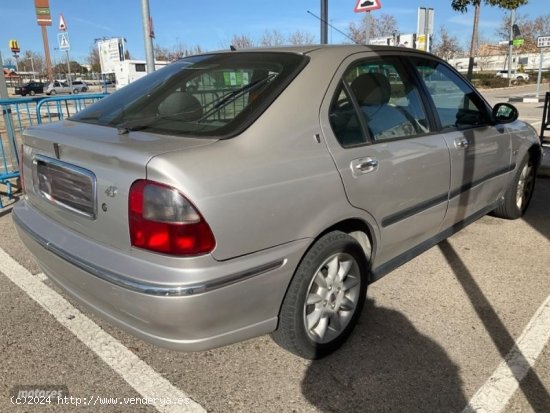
161,219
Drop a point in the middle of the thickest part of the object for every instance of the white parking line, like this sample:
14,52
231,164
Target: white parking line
495,393
138,374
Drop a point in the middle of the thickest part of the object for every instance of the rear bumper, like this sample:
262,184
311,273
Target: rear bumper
205,304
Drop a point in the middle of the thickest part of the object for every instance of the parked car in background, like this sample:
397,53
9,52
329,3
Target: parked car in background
234,194
31,88
516,76
79,86
57,86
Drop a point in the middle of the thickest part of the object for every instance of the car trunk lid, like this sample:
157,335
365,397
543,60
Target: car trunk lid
80,174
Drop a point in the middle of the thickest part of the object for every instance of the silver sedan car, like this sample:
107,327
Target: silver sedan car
238,193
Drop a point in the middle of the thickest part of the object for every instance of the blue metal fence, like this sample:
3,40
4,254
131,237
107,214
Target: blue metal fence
21,113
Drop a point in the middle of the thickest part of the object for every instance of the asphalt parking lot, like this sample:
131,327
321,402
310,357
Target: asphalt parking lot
466,325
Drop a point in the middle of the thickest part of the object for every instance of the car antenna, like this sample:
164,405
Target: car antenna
339,31
232,48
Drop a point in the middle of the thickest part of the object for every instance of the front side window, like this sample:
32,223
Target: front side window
385,98
209,95
456,103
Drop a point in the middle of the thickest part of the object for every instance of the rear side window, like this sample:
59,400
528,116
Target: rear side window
377,99
210,95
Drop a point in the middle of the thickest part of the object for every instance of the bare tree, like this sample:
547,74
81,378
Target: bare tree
272,38
445,45
242,41
31,62
530,30
385,25
94,60
161,53
300,38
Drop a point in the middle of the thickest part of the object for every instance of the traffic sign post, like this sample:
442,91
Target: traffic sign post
367,6
64,44
542,42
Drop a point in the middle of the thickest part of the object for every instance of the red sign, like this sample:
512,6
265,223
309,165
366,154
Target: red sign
62,25
43,16
367,5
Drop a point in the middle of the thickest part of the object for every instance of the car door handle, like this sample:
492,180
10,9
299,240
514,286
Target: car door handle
363,166
462,143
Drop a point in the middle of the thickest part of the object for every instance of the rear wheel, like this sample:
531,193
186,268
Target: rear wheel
519,193
324,299
32,93
53,92
75,91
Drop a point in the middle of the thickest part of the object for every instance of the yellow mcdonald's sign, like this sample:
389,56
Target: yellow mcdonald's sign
14,46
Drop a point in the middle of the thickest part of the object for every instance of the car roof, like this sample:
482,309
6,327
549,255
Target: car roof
336,50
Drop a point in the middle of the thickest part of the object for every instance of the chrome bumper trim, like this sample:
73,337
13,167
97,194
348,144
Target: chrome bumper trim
144,287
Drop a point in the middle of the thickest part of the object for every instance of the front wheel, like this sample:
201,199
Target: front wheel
519,193
75,91
32,93
53,92
325,297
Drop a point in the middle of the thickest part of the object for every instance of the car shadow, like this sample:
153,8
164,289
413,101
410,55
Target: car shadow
531,385
538,213
387,365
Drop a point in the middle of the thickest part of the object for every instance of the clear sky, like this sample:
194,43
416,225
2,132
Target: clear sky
211,24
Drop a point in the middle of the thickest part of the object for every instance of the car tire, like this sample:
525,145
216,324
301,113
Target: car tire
75,91
518,195
84,89
325,297
53,92
32,93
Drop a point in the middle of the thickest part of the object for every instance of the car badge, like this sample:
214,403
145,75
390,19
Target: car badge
57,150
111,191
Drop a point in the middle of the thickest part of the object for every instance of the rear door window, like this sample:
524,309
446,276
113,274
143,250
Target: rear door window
377,100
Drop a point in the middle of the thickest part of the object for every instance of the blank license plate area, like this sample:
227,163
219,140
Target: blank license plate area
65,185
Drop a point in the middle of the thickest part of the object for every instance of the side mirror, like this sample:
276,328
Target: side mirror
505,113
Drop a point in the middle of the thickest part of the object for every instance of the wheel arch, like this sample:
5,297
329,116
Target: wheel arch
360,230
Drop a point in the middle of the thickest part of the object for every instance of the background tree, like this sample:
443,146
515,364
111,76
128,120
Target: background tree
93,59
445,45
76,68
530,29
242,41
385,25
272,38
462,6
31,61
299,38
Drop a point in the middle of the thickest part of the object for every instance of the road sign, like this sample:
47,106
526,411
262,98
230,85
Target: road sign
62,25
367,5
543,41
63,41
518,42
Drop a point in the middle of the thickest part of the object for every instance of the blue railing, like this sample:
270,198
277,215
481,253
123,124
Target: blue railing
21,113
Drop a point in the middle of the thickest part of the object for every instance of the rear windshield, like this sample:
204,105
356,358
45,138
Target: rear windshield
209,95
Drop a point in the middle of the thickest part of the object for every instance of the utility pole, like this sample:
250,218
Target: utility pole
3,86
511,46
148,36
324,21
